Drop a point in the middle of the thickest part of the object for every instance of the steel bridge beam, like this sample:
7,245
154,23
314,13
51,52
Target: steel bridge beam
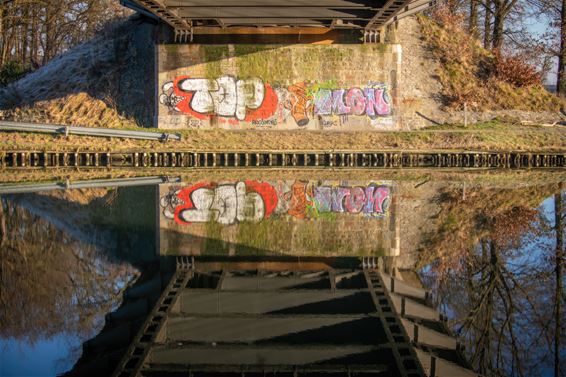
280,159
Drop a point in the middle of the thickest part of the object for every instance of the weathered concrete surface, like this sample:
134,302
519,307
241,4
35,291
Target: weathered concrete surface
342,87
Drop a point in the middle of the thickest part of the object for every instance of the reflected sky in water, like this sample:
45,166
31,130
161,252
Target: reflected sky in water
46,357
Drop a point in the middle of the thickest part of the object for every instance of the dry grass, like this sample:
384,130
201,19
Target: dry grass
74,109
490,137
468,72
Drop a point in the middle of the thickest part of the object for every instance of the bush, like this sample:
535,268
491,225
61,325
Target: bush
515,71
12,71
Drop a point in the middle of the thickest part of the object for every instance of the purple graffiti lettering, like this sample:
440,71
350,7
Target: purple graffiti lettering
338,105
376,199
323,199
323,102
376,103
356,100
338,195
356,200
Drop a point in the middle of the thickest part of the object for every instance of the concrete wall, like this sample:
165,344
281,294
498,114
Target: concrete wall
311,218
338,87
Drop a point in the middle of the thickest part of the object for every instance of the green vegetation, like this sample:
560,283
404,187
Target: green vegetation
308,237
214,55
213,244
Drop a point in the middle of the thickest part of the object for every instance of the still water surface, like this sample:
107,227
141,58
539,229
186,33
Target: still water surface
485,245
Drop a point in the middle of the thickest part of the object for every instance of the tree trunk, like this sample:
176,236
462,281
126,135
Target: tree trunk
498,28
25,32
558,273
474,18
7,32
2,33
487,25
561,79
3,228
49,32
34,43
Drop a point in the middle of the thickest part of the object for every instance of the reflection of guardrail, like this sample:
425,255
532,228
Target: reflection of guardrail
124,182
279,159
85,131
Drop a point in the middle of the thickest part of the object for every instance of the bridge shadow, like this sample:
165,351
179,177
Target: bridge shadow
118,67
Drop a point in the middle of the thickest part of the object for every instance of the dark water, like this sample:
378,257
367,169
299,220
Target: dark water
485,244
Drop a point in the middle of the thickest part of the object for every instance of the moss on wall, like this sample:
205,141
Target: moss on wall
284,63
303,237
214,55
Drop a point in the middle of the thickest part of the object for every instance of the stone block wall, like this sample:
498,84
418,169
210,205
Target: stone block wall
337,87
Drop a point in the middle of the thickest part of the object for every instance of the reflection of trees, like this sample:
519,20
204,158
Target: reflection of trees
502,283
50,282
464,220
559,296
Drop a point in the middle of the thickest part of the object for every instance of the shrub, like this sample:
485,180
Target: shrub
515,70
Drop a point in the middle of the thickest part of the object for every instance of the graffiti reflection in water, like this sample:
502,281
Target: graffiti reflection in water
232,202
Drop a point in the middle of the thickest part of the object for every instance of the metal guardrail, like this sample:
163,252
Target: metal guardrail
279,159
97,183
86,131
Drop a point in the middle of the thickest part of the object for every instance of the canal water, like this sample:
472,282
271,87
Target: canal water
484,243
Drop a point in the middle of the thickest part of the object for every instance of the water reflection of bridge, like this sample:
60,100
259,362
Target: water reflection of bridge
274,316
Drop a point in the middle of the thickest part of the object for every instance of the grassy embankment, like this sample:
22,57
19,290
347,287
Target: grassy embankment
485,80
490,136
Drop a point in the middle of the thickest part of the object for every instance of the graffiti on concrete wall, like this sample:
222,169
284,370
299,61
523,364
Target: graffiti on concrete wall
252,100
244,100
230,203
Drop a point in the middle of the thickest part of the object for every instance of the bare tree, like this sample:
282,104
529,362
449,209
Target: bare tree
35,31
473,22
561,79
487,24
498,289
559,289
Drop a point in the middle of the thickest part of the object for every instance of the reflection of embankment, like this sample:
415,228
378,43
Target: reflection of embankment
69,212
438,218
119,221
467,215
480,176
51,282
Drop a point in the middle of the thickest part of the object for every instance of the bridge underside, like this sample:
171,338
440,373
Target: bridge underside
364,15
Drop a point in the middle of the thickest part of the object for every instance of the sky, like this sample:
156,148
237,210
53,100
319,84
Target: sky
47,357
539,27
